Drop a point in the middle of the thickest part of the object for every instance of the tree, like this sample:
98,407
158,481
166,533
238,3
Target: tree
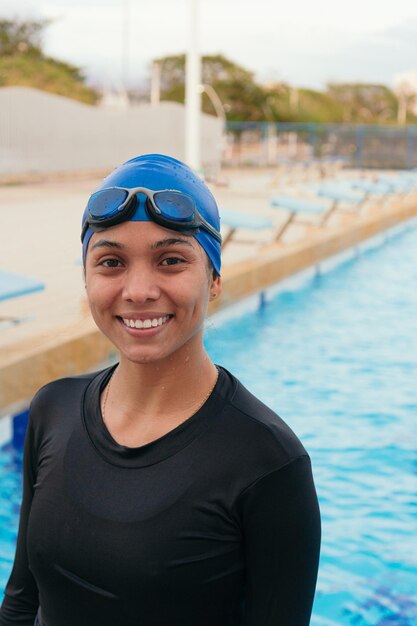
364,103
22,62
242,98
19,36
245,100
289,104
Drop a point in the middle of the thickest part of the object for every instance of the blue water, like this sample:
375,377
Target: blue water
337,359
10,496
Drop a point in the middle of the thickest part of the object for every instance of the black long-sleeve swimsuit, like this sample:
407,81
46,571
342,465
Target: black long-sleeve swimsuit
216,523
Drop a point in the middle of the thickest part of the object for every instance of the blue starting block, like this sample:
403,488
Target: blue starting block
296,206
235,220
14,285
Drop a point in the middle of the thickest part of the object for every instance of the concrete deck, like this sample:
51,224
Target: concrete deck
40,238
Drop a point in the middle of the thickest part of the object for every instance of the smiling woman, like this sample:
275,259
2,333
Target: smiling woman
159,490
160,286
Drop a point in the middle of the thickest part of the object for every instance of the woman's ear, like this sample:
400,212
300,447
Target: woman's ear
215,287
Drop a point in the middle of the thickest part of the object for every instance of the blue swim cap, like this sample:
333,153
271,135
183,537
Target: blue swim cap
157,172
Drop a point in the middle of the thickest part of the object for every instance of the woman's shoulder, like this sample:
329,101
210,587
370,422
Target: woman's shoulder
63,394
259,426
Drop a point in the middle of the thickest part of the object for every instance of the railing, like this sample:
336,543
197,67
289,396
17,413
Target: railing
266,144
14,434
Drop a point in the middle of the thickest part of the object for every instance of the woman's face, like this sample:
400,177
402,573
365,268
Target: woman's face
148,289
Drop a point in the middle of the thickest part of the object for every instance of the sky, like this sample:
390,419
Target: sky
304,43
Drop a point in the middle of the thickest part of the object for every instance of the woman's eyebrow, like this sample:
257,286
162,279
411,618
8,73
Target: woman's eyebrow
105,243
172,241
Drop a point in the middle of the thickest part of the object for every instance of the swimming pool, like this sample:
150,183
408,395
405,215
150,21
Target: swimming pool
337,358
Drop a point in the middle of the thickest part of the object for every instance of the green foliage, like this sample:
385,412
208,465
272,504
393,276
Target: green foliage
18,36
364,103
23,63
245,100
318,107
172,71
288,104
45,74
218,68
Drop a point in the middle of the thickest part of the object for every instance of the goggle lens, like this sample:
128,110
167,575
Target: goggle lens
174,206
168,208
106,203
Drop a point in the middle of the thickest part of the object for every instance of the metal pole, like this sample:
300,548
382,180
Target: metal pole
156,83
410,131
125,47
215,101
192,94
360,132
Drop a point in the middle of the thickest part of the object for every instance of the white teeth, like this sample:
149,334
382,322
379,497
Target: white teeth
149,323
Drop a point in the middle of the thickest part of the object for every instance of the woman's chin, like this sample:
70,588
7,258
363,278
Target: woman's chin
142,357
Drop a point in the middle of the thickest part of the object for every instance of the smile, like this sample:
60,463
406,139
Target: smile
147,323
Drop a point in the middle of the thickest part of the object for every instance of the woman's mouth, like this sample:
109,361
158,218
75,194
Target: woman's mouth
153,322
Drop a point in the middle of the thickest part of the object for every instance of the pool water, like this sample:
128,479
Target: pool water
10,496
337,359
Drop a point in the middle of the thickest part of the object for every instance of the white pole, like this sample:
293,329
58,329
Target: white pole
402,109
156,83
125,48
192,94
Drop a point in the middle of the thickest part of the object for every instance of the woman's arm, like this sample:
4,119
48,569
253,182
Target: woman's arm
281,524
21,602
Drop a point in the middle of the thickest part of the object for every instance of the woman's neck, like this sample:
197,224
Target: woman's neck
155,397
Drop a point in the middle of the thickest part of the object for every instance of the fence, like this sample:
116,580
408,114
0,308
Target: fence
42,132
361,146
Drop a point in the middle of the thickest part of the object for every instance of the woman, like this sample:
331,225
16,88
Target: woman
159,491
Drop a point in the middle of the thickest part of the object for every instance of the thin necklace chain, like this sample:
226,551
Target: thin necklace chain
106,395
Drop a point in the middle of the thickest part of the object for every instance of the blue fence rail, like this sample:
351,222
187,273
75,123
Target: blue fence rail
19,426
13,430
360,146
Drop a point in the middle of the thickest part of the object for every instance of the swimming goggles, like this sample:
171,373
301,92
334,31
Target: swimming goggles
169,208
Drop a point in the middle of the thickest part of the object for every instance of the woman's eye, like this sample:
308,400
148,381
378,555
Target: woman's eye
172,260
110,263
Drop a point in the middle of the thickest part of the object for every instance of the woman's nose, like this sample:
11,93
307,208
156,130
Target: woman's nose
140,285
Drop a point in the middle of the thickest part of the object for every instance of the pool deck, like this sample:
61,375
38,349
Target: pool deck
50,334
